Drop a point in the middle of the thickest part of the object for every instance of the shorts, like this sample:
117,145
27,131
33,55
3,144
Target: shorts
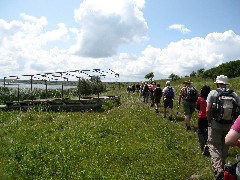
189,107
157,99
168,103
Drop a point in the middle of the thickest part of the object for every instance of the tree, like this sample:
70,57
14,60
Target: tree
174,77
149,76
171,76
200,72
230,69
193,74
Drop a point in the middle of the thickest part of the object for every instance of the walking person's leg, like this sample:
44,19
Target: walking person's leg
201,131
165,105
216,151
187,120
170,108
156,107
186,110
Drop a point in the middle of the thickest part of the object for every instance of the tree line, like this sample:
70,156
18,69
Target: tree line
230,69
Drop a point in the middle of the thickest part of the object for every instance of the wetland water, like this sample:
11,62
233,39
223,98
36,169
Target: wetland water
37,86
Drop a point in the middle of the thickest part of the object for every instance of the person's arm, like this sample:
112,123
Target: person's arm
180,96
232,138
163,94
198,104
208,111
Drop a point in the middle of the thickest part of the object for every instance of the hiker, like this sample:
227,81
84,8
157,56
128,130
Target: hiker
202,119
233,139
168,96
129,88
152,87
145,93
221,112
138,87
141,87
189,96
157,94
133,88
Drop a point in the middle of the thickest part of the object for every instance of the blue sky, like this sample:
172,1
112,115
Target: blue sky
132,37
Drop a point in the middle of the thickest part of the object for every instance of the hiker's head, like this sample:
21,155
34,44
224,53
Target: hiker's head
221,81
168,83
205,91
187,83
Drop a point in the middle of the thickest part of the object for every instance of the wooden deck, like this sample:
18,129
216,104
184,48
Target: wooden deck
87,103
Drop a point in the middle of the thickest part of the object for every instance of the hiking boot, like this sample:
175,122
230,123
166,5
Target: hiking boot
219,176
170,118
206,151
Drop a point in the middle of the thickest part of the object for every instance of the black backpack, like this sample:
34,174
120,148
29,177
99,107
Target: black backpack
169,93
191,94
224,109
158,92
145,88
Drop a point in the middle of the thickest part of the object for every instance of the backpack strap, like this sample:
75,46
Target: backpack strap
221,90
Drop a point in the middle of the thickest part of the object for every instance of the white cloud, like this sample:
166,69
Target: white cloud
27,47
180,27
22,44
107,24
182,57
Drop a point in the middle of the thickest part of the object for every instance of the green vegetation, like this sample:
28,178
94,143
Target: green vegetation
125,142
149,76
230,69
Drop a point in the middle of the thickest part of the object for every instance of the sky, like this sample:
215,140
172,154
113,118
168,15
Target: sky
128,37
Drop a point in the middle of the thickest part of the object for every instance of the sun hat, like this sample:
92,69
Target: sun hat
168,83
221,79
187,82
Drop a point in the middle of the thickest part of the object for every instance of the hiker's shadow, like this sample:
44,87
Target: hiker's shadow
195,129
179,119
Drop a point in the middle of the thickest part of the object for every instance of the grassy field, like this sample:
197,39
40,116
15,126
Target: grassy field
127,142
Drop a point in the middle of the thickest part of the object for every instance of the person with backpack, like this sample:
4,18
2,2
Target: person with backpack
222,105
145,92
152,87
168,96
138,87
202,119
157,94
189,96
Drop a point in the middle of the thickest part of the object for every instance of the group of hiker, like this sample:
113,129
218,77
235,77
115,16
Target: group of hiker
218,115
152,92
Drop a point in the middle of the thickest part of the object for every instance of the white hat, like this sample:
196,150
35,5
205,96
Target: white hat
221,79
168,83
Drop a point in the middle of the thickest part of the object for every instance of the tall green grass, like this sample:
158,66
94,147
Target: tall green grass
126,142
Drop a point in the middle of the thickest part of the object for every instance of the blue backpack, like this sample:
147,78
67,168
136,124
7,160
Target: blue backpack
169,93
